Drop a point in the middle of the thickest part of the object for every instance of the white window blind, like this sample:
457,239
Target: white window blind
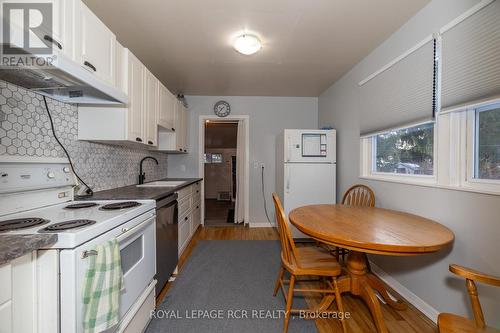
401,94
471,59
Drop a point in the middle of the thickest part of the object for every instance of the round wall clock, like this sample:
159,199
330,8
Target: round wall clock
222,109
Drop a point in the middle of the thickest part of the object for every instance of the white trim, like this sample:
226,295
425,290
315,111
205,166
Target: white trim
472,105
398,59
406,293
261,225
465,15
201,167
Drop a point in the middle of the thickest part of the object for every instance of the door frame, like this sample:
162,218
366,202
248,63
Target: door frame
201,166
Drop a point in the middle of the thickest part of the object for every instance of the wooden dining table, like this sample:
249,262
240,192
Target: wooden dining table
372,230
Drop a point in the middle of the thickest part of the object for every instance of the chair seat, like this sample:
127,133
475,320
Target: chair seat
315,260
450,323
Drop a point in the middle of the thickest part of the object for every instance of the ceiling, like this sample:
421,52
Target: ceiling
307,44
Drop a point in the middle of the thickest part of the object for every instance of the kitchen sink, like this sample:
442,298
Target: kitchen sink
167,183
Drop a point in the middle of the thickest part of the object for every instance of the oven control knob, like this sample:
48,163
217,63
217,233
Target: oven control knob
51,175
66,170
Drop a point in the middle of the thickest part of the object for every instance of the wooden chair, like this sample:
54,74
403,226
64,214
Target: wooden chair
356,195
450,323
304,261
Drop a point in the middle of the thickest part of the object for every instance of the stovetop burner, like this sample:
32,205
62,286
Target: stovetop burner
121,205
67,225
81,205
23,223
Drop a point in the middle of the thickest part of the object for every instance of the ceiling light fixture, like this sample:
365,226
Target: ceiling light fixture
247,44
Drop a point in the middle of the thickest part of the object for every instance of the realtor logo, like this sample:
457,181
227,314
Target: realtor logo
26,28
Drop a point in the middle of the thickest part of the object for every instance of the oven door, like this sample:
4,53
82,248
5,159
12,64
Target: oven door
138,260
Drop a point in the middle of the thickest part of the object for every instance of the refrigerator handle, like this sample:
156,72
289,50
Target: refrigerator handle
287,180
289,148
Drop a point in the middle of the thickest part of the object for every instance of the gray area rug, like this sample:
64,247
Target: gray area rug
227,286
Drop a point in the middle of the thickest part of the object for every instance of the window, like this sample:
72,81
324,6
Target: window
407,151
212,158
487,143
216,158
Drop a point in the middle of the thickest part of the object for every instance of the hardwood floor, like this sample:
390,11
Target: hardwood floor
406,321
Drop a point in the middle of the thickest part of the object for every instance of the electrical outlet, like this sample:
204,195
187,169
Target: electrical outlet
255,165
262,165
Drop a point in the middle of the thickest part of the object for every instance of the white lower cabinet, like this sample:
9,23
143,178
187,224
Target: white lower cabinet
18,296
189,199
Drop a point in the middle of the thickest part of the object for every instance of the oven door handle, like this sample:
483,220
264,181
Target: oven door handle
126,232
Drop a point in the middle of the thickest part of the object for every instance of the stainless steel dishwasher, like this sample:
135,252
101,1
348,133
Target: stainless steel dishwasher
166,239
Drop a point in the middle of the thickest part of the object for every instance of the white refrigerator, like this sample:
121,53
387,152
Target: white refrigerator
305,169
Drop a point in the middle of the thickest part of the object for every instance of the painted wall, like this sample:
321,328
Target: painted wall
25,131
269,116
473,217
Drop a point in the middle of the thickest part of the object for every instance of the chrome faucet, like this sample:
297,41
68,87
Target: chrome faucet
142,174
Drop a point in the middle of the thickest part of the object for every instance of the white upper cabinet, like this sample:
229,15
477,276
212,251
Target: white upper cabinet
135,82
166,112
151,91
59,34
95,49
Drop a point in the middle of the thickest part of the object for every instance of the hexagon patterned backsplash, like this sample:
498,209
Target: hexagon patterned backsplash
25,131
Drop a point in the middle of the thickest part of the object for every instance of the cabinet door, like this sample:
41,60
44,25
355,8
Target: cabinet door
135,95
185,126
178,126
150,108
57,33
97,46
166,112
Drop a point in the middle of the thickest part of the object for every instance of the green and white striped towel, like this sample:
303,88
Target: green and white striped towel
101,290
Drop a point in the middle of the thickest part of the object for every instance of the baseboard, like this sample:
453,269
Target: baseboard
413,299
260,225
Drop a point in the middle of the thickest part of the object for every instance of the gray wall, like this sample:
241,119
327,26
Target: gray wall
25,131
269,116
475,218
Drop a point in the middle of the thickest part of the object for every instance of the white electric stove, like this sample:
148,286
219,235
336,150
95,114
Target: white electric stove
36,198
74,222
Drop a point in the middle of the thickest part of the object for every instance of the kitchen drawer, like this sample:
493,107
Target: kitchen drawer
185,206
5,283
6,317
184,192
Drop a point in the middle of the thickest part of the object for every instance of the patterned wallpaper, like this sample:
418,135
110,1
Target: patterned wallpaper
25,131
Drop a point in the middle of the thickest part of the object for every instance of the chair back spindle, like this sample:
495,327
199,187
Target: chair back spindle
359,195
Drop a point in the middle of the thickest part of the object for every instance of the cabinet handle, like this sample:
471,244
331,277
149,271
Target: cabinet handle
197,207
89,65
186,218
185,150
197,191
173,129
180,149
53,41
138,139
150,142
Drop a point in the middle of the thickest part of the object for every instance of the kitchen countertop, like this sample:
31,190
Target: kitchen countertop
15,246
133,192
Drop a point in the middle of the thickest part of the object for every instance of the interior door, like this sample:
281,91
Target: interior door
308,184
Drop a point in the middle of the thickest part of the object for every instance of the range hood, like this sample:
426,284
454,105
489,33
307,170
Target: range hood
64,80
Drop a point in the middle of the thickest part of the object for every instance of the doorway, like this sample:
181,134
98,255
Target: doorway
224,168
220,164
